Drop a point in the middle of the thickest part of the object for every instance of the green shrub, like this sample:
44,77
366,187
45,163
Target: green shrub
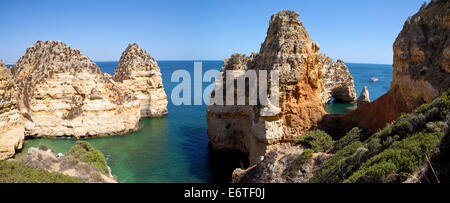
84,152
445,103
12,172
442,103
392,154
340,166
43,148
401,159
297,164
318,140
356,134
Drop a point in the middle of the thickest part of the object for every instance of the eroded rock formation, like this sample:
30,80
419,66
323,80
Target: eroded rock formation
139,74
421,71
283,164
256,129
63,93
11,125
67,164
337,81
364,97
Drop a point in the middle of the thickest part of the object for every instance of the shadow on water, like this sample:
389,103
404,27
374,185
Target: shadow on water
194,147
224,163
206,164
339,108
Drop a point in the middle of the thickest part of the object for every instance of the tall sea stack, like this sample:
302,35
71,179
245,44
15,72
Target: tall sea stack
139,74
248,129
63,93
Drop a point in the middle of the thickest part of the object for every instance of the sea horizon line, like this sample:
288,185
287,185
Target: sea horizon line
192,60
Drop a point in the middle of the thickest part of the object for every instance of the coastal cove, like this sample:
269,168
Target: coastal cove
174,148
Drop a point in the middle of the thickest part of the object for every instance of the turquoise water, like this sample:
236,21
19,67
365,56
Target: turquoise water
361,75
174,148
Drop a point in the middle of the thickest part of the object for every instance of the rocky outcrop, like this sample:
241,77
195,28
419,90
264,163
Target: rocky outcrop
68,164
363,98
421,71
283,164
414,148
337,81
139,74
63,93
11,125
255,129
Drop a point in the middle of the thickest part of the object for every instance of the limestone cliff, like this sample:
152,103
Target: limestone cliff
337,81
421,71
139,74
364,97
11,125
254,129
63,93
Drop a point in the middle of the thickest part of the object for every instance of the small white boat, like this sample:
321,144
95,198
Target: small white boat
373,79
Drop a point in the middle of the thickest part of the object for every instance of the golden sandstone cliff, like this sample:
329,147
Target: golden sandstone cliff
11,125
421,72
139,74
337,81
63,93
256,129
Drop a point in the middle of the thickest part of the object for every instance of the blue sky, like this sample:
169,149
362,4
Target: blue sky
355,30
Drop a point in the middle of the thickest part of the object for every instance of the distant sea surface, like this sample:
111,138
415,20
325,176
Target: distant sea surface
174,148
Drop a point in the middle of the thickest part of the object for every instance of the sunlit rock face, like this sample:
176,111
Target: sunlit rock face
11,125
63,93
255,129
139,74
422,56
364,97
421,71
338,83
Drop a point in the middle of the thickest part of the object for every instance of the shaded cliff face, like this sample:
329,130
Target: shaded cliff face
421,71
11,125
139,74
422,55
63,93
337,81
255,129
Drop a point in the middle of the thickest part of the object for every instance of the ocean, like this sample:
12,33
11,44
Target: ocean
174,148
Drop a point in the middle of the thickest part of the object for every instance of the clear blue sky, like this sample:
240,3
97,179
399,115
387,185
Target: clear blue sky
354,30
